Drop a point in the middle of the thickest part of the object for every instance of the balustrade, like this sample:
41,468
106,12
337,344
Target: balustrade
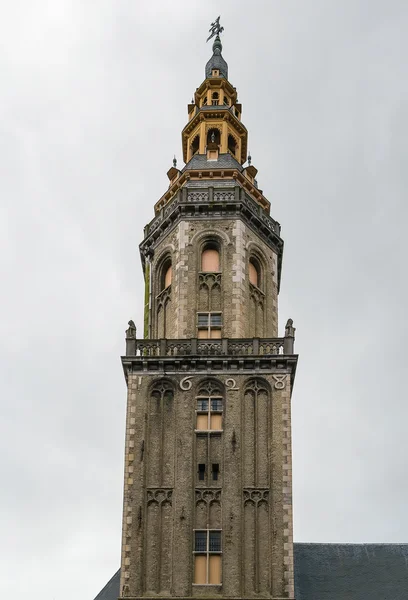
208,347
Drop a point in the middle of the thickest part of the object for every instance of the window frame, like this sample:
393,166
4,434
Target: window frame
201,472
209,245
230,150
207,553
210,411
256,264
209,327
195,148
215,471
164,266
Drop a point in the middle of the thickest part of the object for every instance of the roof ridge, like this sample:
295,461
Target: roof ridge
350,543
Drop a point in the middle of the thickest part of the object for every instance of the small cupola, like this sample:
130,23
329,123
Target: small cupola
173,173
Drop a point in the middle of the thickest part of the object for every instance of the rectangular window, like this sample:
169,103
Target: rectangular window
202,404
207,557
216,404
209,325
215,541
215,471
209,414
201,541
201,472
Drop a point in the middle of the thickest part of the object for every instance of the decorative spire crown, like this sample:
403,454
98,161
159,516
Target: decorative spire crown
217,46
216,62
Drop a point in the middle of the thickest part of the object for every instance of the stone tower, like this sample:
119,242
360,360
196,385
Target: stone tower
208,478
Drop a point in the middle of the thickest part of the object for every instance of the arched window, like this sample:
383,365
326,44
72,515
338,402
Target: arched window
195,145
213,137
205,101
232,144
226,100
215,98
254,272
167,277
166,274
210,259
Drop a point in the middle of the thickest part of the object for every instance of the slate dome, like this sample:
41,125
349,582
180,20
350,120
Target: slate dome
217,61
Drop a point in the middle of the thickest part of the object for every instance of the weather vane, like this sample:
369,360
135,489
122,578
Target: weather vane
215,28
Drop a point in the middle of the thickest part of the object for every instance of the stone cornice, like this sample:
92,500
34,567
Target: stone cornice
185,366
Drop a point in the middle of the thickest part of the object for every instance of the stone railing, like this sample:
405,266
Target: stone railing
201,347
210,347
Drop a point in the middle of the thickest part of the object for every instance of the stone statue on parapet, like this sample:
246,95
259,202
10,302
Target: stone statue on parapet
131,331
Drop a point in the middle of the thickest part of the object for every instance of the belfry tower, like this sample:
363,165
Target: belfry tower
208,477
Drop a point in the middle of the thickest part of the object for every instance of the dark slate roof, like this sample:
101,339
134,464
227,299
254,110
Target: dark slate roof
225,161
111,589
337,572
351,571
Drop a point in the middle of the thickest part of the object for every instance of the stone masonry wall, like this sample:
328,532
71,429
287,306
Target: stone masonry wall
162,494
237,244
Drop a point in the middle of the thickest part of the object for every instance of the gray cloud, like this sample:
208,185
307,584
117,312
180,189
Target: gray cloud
93,99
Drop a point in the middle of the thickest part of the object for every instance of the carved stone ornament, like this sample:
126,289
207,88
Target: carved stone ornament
256,496
208,496
231,385
186,383
280,381
159,496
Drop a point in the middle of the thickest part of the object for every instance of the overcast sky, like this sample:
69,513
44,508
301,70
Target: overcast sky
93,99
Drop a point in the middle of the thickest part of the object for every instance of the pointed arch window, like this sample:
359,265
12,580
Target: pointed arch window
166,274
167,277
255,272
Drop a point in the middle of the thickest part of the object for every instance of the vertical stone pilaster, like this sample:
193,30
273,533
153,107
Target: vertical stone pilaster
274,319
232,494
239,318
287,489
183,282
130,574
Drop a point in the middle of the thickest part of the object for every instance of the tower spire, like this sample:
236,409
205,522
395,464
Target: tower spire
216,61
